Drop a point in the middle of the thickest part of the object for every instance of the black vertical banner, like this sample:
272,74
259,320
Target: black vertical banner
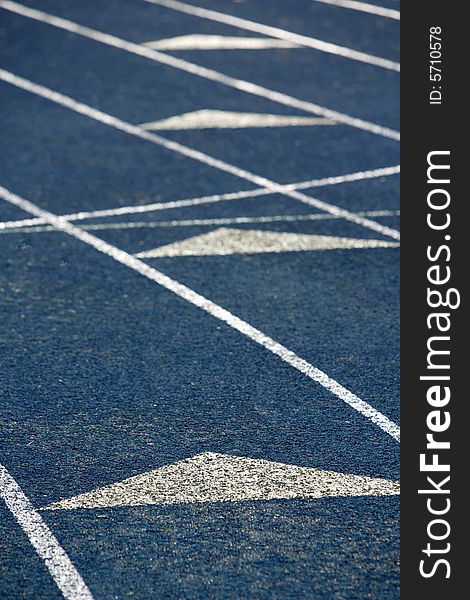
435,255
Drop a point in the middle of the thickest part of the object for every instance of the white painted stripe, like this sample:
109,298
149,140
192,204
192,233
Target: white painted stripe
345,214
156,206
348,178
136,131
373,9
197,222
210,307
5,225
65,575
277,32
199,41
211,74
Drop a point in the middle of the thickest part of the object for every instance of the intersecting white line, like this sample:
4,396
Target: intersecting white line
373,9
276,32
198,70
65,575
195,222
201,157
210,307
157,206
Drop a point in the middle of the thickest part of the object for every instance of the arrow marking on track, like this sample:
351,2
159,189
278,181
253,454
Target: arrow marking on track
226,241
197,41
221,119
213,477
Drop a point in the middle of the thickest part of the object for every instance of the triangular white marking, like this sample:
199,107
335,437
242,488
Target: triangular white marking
225,241
198,41
212,477
221,119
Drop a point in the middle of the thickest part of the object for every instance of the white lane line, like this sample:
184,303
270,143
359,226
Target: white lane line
276,32
197,222
65,575
201,157
156,206
373,9
210,307
6,225
211,74
200,41
348,178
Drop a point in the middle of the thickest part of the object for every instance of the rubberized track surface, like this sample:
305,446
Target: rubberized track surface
150,313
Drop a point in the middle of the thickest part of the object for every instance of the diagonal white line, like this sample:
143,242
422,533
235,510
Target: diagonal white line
372,9
156,206
276,32
65,575
211,74
194,222
136,131
7,225
210,307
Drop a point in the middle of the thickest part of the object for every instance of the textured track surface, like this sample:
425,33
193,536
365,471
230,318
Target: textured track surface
108,371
